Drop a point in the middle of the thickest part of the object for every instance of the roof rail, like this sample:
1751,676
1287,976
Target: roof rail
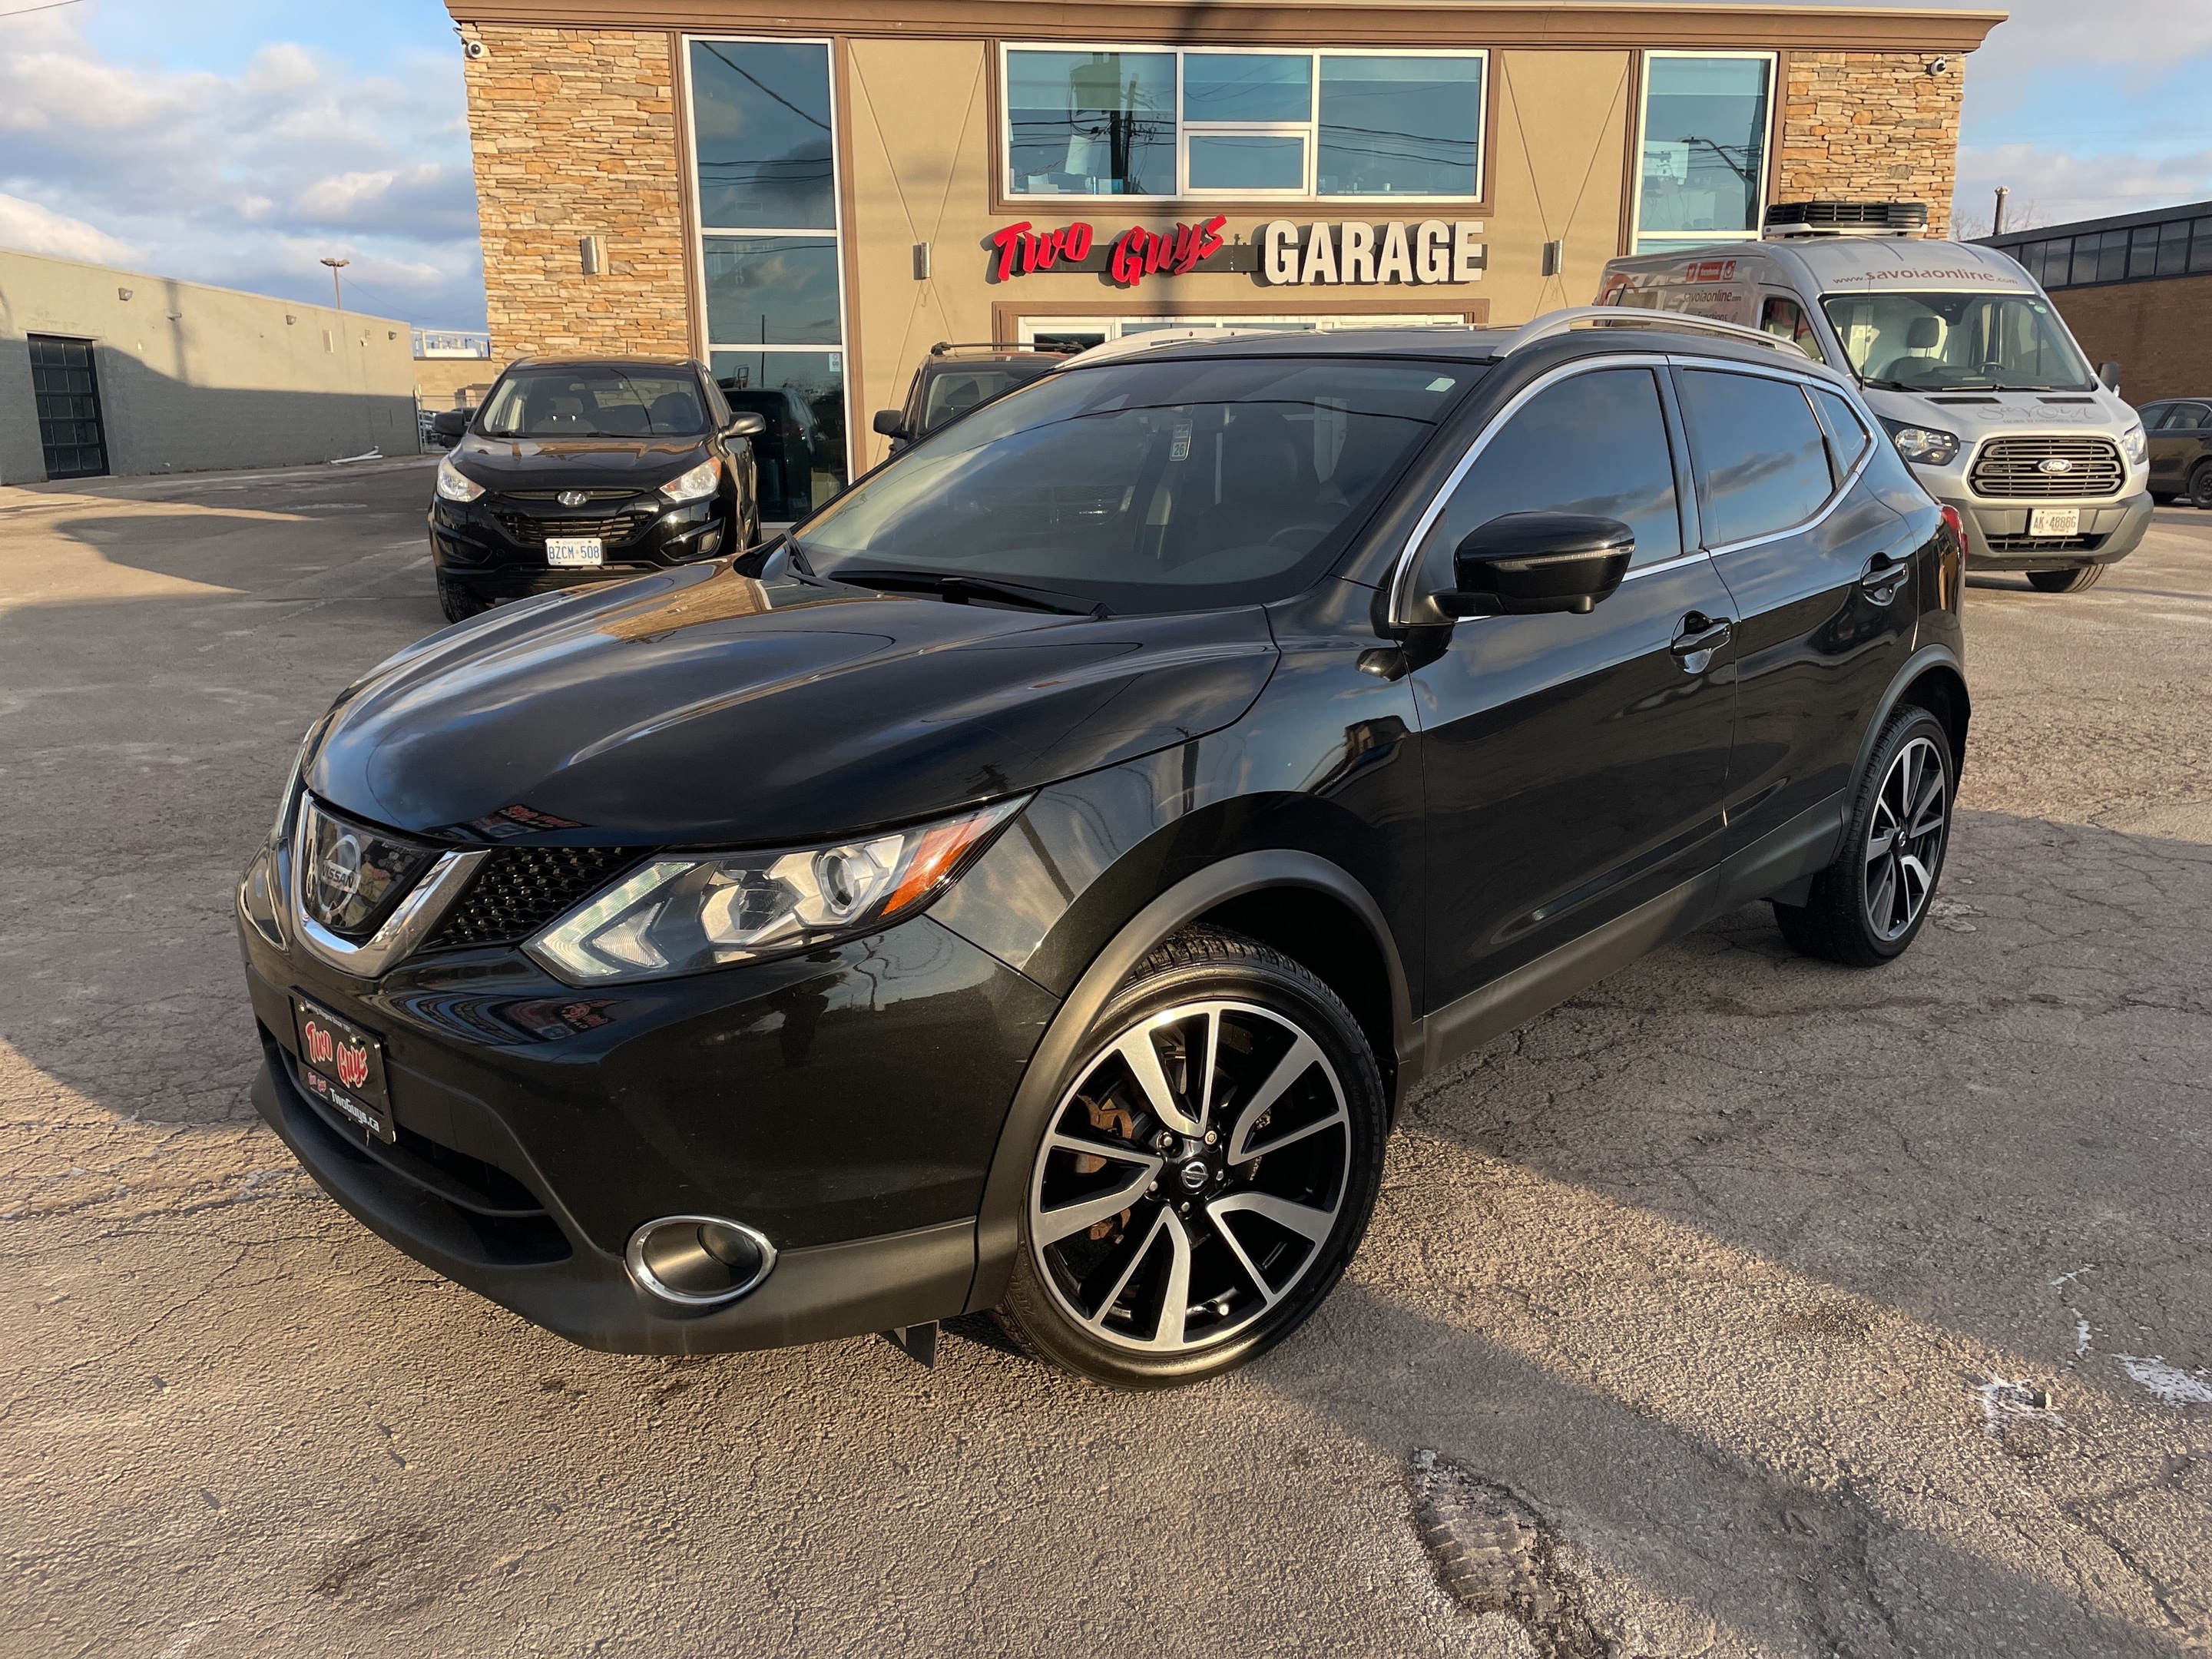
944,346
1555,323
1129,344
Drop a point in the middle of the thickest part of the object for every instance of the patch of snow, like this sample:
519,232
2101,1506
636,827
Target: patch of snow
2169,1382
2005,1400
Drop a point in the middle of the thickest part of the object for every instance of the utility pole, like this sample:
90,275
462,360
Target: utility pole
337,294
1996,223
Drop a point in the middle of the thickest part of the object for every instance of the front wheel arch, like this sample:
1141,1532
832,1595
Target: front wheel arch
1211,891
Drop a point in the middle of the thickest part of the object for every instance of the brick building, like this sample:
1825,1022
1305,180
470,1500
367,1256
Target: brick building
812,193
2136,290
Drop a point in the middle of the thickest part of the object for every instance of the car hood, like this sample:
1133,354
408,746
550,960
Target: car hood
707,708
504,464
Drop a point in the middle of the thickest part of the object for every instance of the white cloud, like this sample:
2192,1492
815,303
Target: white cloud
244,179
33,229
2052,186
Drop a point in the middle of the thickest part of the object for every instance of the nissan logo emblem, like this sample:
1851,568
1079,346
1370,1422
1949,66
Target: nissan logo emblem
572,498
2055,464
337,875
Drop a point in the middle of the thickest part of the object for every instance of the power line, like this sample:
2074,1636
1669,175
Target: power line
51,5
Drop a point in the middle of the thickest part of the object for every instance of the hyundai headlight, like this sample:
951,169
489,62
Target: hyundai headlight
455,484
1928,446
697,484
2134,445
680,915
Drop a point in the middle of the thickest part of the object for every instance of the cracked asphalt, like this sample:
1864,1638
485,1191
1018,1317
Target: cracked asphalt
1743,1306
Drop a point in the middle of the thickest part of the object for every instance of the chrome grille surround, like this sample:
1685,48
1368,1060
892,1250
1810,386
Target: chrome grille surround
2013,468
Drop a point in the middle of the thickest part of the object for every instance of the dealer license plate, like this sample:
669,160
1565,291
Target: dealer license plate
2054,521
343,1066
575,550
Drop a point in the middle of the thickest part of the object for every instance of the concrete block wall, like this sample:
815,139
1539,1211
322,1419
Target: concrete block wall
2157,332
1860,126
193,378
575,134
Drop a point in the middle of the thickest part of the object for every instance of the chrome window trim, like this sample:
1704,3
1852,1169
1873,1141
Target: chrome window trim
1836,494
404,929
1401,574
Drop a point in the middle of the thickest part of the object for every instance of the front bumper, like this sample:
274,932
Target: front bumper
846,1104
1997,536
496,547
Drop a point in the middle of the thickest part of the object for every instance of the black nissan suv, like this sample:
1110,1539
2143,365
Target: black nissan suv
572,472
1033,884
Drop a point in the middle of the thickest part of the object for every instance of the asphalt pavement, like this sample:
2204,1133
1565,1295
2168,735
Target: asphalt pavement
1743,1306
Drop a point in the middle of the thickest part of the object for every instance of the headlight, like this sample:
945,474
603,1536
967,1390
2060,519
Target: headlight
1927,445
455,484
699,481
679,915
2134,445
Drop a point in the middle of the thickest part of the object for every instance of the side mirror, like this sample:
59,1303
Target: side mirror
889,423
746,424
2110,374
450,422
1527,564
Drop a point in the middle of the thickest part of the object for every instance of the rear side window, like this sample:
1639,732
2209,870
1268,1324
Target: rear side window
1785,319
1762,462
2183,416
1595,443
1847,435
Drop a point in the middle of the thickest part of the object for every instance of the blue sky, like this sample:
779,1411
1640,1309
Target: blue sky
239,141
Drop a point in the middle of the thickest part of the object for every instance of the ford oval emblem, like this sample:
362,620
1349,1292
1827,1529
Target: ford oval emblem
577,497
2055,464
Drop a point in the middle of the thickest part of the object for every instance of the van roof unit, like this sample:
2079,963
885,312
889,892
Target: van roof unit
1786,219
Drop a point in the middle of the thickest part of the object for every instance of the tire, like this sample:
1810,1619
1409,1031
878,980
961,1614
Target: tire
1161,1257
1868,905
2200,486
459,602
2074,579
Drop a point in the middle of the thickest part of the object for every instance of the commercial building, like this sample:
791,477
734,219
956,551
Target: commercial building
452,367
2136,290
112,371
813,193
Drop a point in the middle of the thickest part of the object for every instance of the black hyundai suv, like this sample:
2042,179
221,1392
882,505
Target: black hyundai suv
1033,884
572,472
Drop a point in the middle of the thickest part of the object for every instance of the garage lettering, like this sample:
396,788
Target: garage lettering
1354,253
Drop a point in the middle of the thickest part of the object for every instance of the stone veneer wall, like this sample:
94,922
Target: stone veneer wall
573,132
1871,126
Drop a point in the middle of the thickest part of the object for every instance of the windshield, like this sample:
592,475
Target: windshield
1957,341
595,403
1148,486
955,392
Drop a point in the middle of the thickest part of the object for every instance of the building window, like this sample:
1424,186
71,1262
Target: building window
2173,248
1703,144
1125,121
765,154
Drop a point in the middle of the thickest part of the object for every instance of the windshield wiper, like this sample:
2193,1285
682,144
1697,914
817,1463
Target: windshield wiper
953,586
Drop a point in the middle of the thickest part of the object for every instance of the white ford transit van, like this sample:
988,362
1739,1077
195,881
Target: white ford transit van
1967,361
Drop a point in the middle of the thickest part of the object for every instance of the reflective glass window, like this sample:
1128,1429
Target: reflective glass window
760,119
2200,246
1762,463
800,458
1091,123
1704,144
1848,437
773,290
1247,86
1247,161
1401,126
1593,443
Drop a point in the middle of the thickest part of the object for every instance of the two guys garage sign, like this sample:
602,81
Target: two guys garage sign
1281,254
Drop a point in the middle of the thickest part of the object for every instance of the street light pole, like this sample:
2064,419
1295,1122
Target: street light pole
337,294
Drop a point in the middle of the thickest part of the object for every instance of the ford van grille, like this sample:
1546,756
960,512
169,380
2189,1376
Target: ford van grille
2047,469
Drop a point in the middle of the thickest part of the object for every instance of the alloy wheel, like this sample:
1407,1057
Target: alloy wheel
1905,839
1191,1178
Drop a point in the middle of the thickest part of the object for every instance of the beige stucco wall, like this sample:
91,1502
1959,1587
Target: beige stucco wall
192,377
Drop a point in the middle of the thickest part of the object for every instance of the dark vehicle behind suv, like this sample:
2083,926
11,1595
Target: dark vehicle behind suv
573,473
955,378
1032,885
2179,434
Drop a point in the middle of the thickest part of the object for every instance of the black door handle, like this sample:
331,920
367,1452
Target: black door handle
1700,633
1883,576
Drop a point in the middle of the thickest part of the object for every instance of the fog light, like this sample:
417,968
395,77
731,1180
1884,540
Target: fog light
698,1261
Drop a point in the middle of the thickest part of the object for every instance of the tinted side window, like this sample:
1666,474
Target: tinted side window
1847,435
1593,443
1786,321
1762,463
2186,416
